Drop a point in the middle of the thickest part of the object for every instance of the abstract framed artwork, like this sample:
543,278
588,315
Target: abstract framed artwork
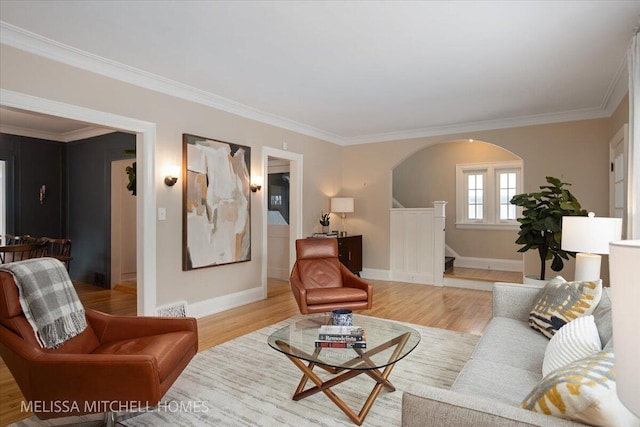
216,217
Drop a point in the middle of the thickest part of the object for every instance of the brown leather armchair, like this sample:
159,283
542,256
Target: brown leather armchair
320,283
120,360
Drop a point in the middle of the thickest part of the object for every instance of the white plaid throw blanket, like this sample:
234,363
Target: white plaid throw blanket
48,300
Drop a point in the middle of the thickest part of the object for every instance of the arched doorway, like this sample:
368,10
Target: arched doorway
435,173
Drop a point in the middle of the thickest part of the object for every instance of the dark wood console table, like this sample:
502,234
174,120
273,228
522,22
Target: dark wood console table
350,252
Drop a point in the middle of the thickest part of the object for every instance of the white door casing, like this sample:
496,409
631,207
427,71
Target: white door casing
123,224
618,176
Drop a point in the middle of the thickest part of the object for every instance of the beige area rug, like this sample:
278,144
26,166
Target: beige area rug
244,382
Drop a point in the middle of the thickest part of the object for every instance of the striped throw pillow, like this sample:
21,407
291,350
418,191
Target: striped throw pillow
574,341
560,302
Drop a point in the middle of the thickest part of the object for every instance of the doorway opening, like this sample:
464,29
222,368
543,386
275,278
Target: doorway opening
278,208
123,225
283,172
146,195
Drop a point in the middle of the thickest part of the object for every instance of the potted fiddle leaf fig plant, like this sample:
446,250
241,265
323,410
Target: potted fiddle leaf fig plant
541,222
324,222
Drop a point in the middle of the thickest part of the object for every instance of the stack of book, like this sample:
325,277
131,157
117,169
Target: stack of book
332,234
341,337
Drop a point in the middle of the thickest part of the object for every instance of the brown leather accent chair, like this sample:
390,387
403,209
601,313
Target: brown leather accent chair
320,283
124,361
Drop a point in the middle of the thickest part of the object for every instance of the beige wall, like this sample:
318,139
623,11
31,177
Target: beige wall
576,152
29,74
430,175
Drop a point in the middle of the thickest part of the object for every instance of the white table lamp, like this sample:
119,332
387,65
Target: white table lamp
342,206
590,236
624,269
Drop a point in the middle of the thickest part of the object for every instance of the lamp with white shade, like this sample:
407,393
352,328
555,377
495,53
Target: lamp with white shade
590,236
342,206
624,270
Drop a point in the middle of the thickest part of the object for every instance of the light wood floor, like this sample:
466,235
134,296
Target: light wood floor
448,308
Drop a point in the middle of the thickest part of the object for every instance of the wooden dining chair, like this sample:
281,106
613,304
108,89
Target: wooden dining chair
13,253
10,239
59,249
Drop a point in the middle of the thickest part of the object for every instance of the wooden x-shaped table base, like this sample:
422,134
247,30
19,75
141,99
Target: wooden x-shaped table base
362,362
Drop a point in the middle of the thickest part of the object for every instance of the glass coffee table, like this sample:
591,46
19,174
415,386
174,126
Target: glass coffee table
387,343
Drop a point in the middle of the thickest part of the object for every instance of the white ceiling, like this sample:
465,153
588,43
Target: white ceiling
355,71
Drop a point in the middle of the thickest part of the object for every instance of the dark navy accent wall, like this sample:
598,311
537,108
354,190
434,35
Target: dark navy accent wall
89,204
77,176
32,163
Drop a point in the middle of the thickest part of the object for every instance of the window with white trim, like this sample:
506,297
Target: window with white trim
475,195
507,188
483,192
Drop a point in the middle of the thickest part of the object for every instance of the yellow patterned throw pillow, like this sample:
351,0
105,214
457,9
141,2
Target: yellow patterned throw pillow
584,391
560,302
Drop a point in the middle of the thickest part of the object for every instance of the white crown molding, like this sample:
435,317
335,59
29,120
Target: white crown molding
540,119
617,89
84,133
19,38
31,133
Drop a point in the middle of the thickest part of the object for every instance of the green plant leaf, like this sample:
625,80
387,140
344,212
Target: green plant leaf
557,264
131,172
541,221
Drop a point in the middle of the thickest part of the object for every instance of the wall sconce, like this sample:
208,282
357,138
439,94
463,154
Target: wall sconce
172,175
43,193
256,184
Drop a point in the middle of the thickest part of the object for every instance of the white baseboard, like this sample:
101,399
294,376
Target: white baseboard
225,302
386,275
489,263
375,274
468,284
423,279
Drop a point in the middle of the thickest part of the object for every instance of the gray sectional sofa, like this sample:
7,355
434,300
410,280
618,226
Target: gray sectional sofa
504,367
